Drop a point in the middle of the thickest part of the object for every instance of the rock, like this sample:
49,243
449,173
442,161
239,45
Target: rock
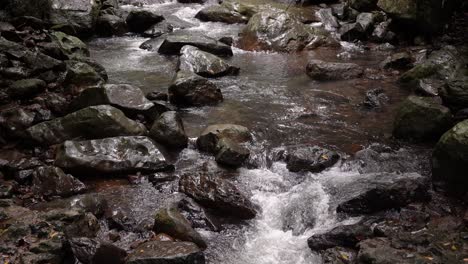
86,225
39,9
370,193
127,98
363,5
173,43
52,181
81,76
382,32
189,89
324,71
227,40
230,153
196,215
220,13
204,63
110,25
169,130
339,255
366,21
158,29
74,17
461,115
26,88
449,157
157,96
191,1
212,191
328,19
273,29
116,155
83,123
71,46
344,236
429,87
167,252
351,32
171,222
380,251
399,61
375,98
313,159
421,118
210,137
96,66
455,93
140,20
89,251
15,121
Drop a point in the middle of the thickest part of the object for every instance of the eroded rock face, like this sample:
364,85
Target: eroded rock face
327,71
173,43
204,64
117,155
52,181
211,190
83,124
313,159
169,130
140,20
189,89
167,252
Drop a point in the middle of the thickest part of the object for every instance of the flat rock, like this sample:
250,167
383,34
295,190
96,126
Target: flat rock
173,43
328,71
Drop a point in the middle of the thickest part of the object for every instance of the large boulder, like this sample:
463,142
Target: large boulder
52,181
116,155
273,29
204,64
83,123
140,20
313,159
450,155
109,25
169,130
421,118
166,252
75,17
189,89
211,190
220,13
455,93
325,71
171,222
173,43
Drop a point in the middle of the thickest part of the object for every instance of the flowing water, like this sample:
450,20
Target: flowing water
275,99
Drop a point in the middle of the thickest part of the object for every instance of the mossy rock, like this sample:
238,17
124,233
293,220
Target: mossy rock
72,46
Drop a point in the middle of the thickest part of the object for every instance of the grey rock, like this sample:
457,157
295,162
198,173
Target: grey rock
204,63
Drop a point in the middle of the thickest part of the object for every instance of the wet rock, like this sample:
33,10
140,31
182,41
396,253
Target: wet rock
328,19
71,46
169,130
212,191
461,115
399,61
428,87
127,98
158,29
421,118
382,32
277,30
230,153
170,221
227,40
448,159
85,225
339,255
375,98
313,159
74,17
81,76
173,43
83,123
167,252
196,215
189,89
52,181
209,138
370,193
455,93
220,13
157,96
110,25
26,88
140,20
15,121
380,251
324,71
89,251
204,63
363,5
111,155
366,21
96,66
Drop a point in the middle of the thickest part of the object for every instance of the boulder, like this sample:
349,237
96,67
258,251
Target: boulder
429,87
381,251
382,32
273,29
166,252
189,89
363,5
399,61
421,118
171,222
14,121
89,251
71,46
76,18
375,98
141,20
158,29
339,255
366,21
173,43
204,64
83,124
209,138
351,32
52,181
110,25
169,130
449,157
211,190
329,21
313,159
116,155
370,193
230,153
455,93
16,8
220,13
81,76
26,88
326,71
127,98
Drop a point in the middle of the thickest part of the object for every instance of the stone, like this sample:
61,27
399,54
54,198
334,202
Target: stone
204,64
74,17
26,88
166,252
71,46
375,98
380,251
231,153
455,93
52,181
220,13
82,225
421,119
189,89
81,76
313,159
398,61
338,255
366,21
382,32
15,121
83,123
171,222
209,138
329,21
326,71
169,130
363,5
140,20
89,251
173,43
115,155
110,25
158,29
351,32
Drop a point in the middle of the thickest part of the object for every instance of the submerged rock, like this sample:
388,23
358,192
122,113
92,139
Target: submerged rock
189,89
167,252
52,181
140,20
83,123
313,159
173,43
324,71
204,63
117,155
169,130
